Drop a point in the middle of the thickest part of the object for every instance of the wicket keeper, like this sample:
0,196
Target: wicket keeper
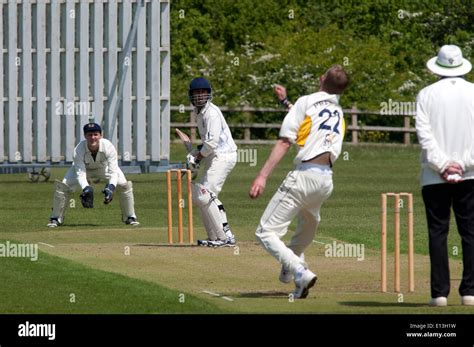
94,157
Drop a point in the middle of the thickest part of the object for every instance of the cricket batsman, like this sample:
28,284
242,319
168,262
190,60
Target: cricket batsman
94,158
217,157
316,125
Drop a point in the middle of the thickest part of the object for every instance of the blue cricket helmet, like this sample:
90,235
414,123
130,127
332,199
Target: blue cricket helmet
200,83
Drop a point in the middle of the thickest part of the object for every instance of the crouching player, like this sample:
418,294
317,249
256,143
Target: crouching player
94,158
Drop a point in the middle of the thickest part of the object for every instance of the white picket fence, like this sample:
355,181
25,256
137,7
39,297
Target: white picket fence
59,62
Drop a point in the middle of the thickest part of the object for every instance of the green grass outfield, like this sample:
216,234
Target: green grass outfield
113,268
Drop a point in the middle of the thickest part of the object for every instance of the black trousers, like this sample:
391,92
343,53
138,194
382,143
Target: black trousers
439,198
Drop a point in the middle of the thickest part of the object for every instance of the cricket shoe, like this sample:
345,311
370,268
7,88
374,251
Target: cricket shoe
218,244
230,237
467,300
439,301
132,221
304,281
54,223
285,274
203,243
231,241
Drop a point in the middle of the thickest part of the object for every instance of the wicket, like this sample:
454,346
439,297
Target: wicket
411,270
179,174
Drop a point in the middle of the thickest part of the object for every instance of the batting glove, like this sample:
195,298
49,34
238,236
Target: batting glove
191,162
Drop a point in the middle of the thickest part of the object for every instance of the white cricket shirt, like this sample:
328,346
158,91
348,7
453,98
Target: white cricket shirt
445,128
105,160
214,131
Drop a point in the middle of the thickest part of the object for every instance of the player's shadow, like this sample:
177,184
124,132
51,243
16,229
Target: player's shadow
268,294
380,304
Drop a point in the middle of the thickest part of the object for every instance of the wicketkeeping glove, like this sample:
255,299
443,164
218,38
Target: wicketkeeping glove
108,193
87,197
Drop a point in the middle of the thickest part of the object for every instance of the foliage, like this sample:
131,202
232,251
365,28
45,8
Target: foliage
245,47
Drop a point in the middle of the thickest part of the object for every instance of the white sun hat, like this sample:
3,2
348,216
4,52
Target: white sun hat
449,62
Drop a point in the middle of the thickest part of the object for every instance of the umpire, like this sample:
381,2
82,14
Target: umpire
444,125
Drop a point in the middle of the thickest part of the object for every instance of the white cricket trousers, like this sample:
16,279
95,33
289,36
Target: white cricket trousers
124,188
216,169
71,178
301,194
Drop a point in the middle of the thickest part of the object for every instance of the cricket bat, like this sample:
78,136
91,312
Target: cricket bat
186,140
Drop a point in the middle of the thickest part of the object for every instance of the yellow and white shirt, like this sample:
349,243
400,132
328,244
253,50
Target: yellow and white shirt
316,124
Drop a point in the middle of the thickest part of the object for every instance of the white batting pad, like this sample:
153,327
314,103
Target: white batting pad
62,193
127,203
